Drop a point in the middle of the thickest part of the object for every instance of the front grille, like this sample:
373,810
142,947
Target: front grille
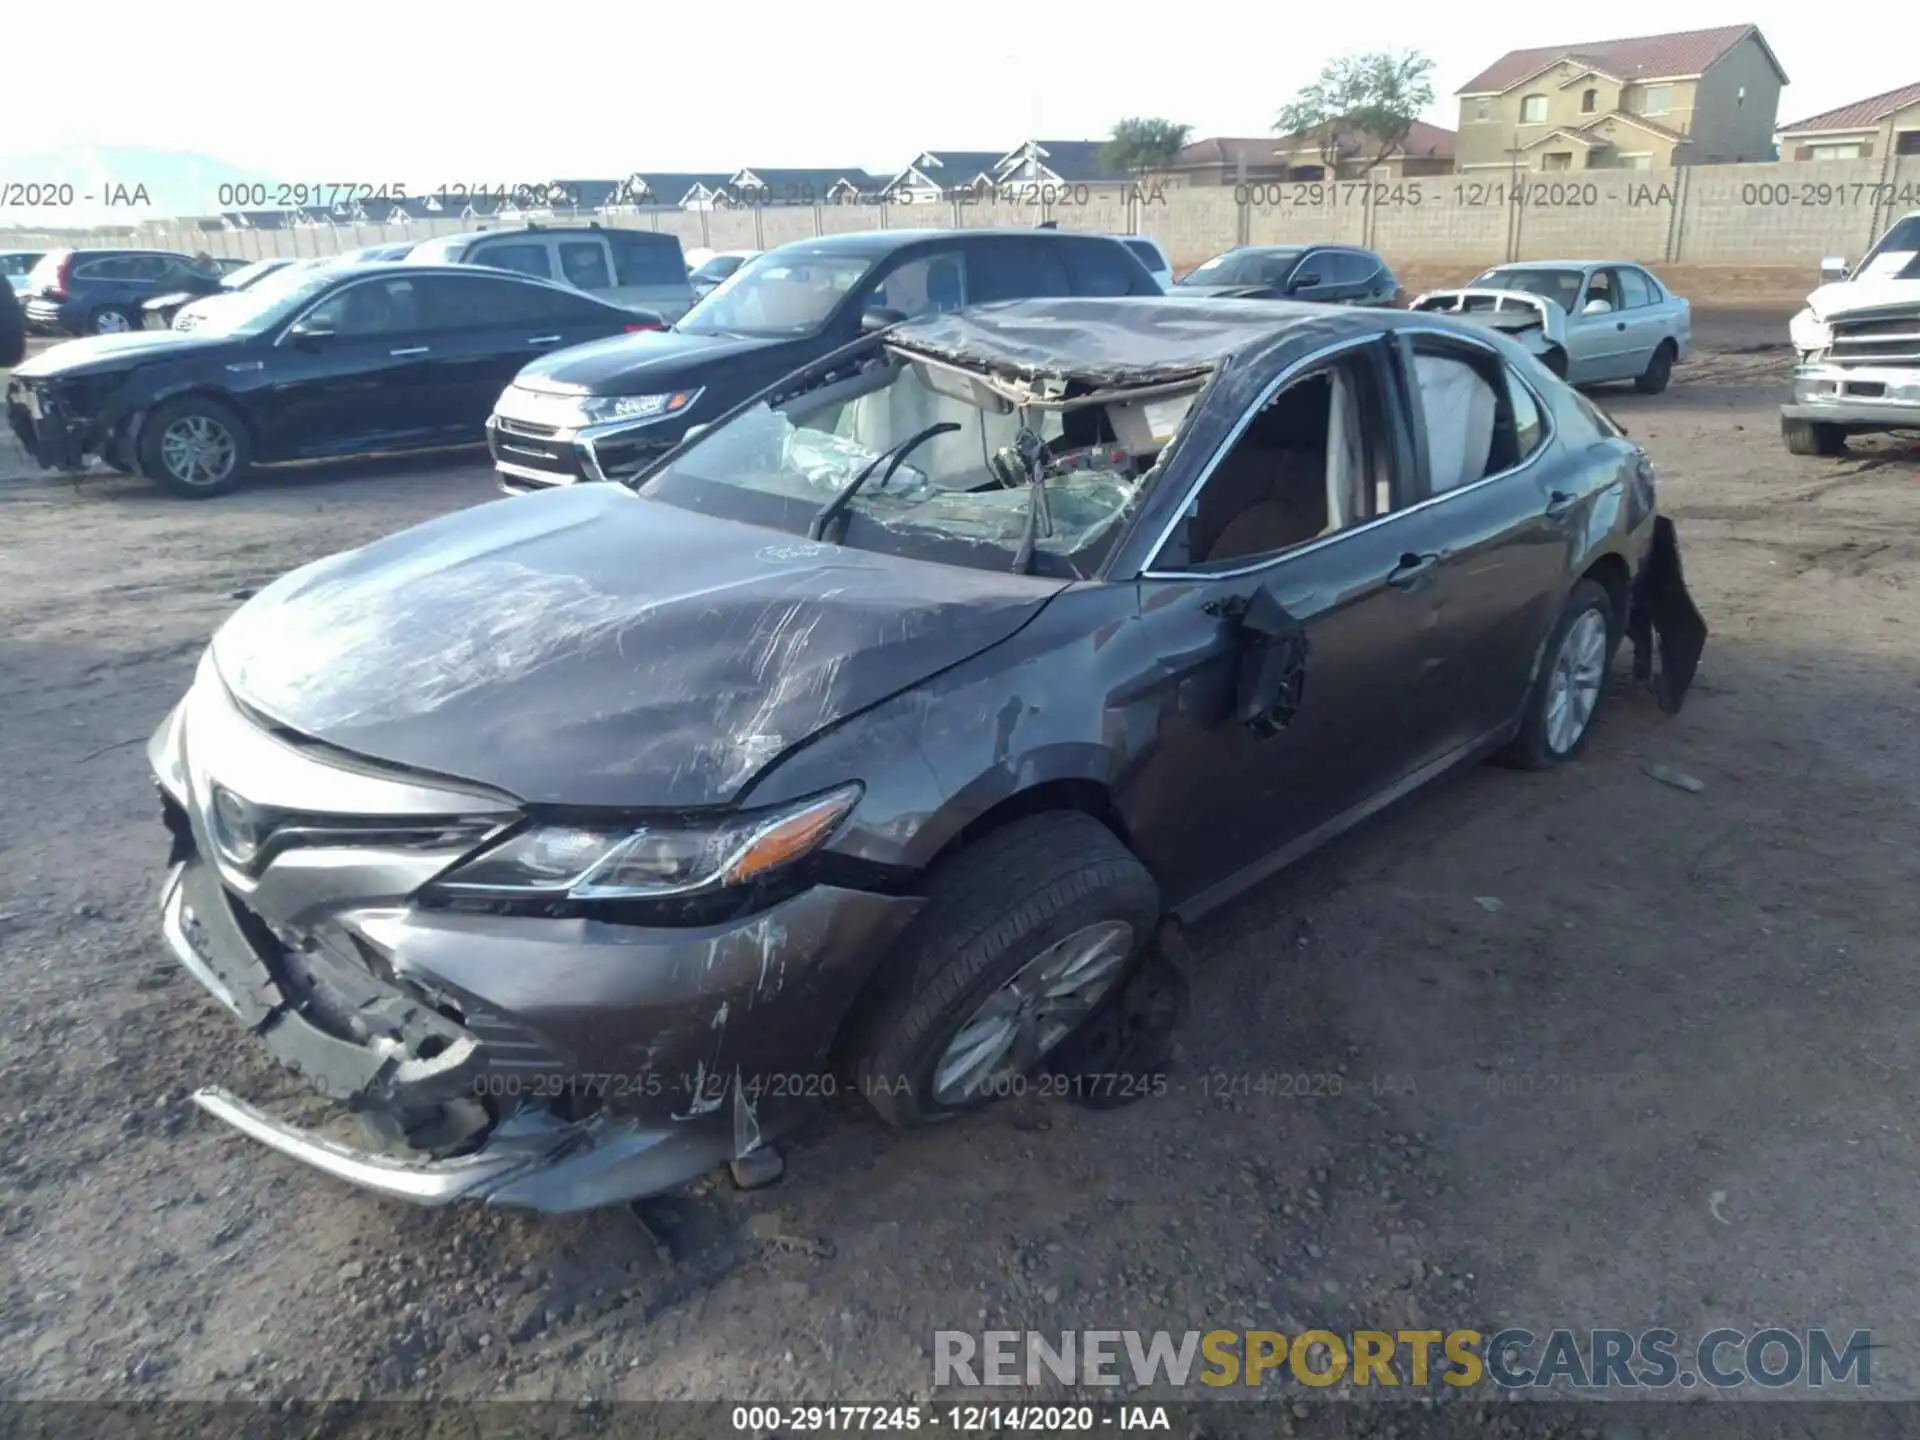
1882,340
526,428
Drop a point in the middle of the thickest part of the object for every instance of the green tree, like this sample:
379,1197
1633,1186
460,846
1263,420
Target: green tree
1377,96
1139,143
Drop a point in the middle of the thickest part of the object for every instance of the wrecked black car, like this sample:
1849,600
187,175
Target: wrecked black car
878,739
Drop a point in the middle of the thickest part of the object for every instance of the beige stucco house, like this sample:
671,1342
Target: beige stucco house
1699,97
1860,131
1427,150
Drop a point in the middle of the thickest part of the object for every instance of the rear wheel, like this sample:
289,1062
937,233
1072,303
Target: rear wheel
1813,437
1659,370
111,320
1024,934
1572,680
196,447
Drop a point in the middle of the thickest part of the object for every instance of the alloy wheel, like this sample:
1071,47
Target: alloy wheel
1024,1020
111,322
1573,685
197,450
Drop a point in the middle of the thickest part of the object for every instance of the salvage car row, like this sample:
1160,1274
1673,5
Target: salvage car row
601,359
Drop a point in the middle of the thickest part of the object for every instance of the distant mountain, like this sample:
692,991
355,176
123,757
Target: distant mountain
90,185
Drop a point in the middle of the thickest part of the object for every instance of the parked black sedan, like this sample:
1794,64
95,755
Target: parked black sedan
1326,274
349,359
878,731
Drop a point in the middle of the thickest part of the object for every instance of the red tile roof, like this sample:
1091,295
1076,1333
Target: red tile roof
1422,139
1645,57
1861,114
1225,150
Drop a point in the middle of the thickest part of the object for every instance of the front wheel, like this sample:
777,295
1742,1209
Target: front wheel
196,447
1024,934
1813,437
1572,679
112,320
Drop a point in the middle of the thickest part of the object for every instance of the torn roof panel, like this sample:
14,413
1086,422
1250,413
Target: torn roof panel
1150,340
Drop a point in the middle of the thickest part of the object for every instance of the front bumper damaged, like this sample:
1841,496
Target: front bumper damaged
1862,397
550,1064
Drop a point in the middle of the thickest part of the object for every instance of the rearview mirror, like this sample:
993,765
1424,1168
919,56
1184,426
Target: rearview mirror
1833,269
694,432
1302,282
881,318
1596,307
305,334
1273,663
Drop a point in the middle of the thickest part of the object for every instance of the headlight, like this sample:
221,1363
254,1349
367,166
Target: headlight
1808,332
610,862
638,407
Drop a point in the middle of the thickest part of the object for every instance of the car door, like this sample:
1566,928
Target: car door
1647,322
353,372
1299,509
1316,277
484,329
1598,342
1486,506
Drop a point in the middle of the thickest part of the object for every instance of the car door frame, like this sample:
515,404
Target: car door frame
1191,609
1503,534
1648,324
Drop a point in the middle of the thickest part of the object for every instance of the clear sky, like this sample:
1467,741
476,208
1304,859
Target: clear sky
502,93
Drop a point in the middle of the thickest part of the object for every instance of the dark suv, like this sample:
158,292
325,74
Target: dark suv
1327,274
640,270
600,412
100,292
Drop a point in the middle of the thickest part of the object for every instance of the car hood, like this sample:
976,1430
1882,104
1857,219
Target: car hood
1846,296
97,354
588,646
636,364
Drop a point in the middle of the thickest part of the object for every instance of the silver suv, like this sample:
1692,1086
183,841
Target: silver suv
640,270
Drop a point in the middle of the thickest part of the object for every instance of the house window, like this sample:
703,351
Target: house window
1482,110
1589,101
1533,110
1907,142
1557,160
1656,100
1638,162
1836,152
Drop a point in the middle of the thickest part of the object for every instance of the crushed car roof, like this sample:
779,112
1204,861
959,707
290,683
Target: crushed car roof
1135,340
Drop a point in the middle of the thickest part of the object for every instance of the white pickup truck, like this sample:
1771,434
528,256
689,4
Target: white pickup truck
1858,348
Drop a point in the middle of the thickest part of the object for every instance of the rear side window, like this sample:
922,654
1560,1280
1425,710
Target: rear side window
1149,256
523,257
1015,270
1102,267
1351,267
647,260
460,302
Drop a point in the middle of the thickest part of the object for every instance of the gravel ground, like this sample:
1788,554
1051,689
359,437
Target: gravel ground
1608,1053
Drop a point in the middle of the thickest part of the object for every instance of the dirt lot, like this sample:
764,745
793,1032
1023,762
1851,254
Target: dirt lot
1609,1053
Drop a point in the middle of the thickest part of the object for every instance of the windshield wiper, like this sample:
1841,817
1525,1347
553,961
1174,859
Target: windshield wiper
833,508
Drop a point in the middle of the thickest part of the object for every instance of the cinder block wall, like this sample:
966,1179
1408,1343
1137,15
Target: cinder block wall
1765,226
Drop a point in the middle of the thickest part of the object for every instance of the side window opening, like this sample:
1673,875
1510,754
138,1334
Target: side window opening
1303,469
1480,418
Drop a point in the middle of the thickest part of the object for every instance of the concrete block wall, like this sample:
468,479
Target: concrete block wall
1785,217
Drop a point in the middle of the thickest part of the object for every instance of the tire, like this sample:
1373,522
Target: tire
1541,743
1658,372
1556,361
111,320
994,910
1813,437
187,418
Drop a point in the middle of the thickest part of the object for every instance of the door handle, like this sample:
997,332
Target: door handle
410,350
1411,570
544,340
1561,501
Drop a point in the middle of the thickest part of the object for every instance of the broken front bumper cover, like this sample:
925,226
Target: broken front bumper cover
1860,397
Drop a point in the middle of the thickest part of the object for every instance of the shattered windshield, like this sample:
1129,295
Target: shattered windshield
1245,267
947,499
1560,286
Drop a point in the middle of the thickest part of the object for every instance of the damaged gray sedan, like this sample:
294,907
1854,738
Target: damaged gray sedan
879,738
